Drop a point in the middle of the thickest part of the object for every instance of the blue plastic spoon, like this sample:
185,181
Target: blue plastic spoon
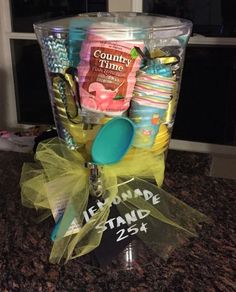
113,141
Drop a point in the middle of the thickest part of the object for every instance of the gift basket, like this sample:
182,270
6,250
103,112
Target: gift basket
114,81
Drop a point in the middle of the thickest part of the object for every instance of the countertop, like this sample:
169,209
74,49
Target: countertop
207,263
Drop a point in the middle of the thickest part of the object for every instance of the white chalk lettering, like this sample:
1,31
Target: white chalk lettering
127,195
131,217
128,218
120,221
124,196
147,195
138,193
116,200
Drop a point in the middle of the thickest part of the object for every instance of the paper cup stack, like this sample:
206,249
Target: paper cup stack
152,94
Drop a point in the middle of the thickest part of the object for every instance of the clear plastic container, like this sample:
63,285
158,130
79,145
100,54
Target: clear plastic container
100,66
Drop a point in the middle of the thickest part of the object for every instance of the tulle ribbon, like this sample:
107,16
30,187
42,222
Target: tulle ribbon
59,182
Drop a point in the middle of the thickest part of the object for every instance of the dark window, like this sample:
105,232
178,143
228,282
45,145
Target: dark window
209,17
27,12
207,104
33,105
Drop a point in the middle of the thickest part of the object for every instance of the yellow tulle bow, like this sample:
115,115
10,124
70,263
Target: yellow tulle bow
59,182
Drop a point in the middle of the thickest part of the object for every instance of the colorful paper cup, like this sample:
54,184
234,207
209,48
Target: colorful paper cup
147,122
